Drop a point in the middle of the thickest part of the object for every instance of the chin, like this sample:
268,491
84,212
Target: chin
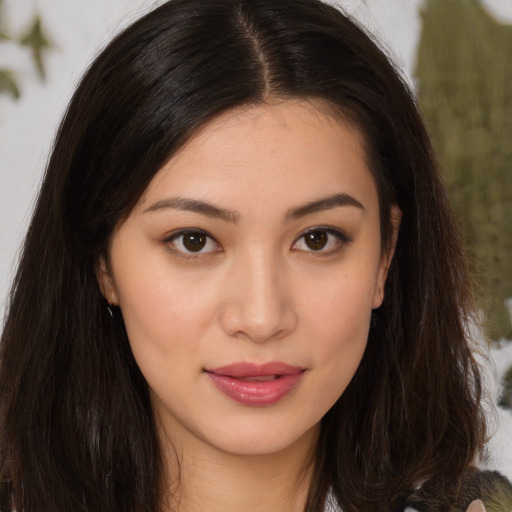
266,440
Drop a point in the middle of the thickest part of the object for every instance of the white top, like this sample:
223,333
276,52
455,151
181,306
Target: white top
331,506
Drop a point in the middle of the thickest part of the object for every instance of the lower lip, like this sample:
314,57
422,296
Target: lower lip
256,393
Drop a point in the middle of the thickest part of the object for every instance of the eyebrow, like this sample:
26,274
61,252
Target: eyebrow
197,206
210,210
326,203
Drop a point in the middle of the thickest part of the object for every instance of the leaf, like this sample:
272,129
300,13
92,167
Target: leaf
505,398
3,35
36,40
8,83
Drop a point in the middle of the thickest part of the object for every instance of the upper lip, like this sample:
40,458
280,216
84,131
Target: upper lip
248,369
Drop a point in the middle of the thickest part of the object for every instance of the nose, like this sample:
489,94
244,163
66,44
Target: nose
258,303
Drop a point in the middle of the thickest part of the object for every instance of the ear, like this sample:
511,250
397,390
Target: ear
387,256
106,282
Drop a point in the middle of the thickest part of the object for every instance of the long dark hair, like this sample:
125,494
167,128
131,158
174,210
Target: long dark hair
76,425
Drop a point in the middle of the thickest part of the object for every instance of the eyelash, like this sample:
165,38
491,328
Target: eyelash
169,242
342,239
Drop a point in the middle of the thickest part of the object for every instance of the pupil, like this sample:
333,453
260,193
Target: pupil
194,242
316,240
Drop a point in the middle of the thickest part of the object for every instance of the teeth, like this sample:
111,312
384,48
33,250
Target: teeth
263,378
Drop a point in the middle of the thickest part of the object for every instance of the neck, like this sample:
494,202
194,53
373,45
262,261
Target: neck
200,477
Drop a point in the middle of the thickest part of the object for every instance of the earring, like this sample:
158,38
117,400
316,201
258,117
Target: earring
110,312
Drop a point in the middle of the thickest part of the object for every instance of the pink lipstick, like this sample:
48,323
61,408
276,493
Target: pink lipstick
256,385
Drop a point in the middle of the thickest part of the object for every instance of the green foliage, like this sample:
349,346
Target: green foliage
3,35
36,40
465,92
505,399
8,83
500,500
494,489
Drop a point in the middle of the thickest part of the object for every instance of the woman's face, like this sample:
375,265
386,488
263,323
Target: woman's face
246,276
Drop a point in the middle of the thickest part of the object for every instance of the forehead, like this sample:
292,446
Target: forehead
292,151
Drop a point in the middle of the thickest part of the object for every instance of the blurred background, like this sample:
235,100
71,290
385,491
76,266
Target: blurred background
456,55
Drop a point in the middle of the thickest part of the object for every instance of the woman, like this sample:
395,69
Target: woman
242,287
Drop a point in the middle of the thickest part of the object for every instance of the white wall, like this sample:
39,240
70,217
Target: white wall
77,30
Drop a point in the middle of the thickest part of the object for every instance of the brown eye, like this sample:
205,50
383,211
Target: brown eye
316,240
194,242
324,240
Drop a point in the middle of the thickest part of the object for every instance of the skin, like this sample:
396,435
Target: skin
255,292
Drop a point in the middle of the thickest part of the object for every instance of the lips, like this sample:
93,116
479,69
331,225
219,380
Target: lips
256,385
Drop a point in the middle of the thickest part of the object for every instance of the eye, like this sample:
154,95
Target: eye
320,239
193,242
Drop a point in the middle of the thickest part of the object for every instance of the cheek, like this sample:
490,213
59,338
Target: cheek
165,327
340,304
164,311
343,332
338,322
